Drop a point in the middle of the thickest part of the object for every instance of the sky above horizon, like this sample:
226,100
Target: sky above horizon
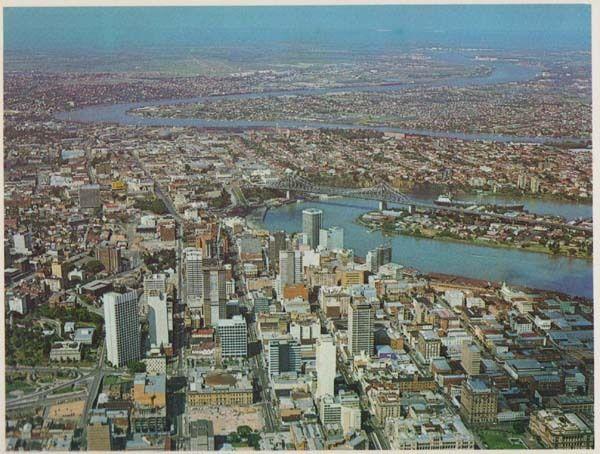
376,28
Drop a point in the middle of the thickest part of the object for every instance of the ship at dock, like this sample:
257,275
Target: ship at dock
446,200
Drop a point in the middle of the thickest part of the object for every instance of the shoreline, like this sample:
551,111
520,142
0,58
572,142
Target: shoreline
359,221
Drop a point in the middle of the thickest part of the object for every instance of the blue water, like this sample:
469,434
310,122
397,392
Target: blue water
367,28
536,270
120,113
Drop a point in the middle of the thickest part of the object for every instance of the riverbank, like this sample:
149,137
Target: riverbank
536,248
573,276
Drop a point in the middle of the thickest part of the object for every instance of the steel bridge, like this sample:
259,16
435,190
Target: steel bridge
385,193
382,192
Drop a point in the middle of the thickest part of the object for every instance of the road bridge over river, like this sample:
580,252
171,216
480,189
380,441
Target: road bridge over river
386,194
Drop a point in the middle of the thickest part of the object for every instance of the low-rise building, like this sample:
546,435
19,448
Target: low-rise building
428,432
218,388
559,430
65,351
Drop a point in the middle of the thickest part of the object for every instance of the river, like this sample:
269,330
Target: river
573,276
501,72
531,269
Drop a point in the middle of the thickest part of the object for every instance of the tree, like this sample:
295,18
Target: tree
136,367
244,431
519,427
254,440
93,266
233,437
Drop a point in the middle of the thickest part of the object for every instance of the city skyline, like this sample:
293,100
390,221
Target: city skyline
362,227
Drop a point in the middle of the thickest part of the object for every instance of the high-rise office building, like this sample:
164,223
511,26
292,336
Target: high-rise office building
122,327
330,410
158,320
193,277
155,284
277,243
284,356
89,196
478,402
429,345
312,220
214,297
109,256
471,358
287,268
332,238
326,366
298,267
22,242
233,337
378,257
360,328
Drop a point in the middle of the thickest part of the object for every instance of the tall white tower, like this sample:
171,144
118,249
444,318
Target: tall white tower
122,327
158,320
326,366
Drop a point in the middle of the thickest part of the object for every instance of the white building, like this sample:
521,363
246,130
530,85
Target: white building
122,327
155,284
18,304
331,238
326,366
22,242
233,337
158,320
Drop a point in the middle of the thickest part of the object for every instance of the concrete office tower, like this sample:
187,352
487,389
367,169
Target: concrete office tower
233,337
193,277
109,256
158,320
312,219
284,356
122,327
214,297
384,254
471,358
277,243
155,284
330,411
298,265
89,196
326,366
378,257
478,402
360,328
287,268
332,238
22,242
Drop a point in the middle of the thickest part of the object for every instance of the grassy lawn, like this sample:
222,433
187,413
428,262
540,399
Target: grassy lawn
114,380
19,386
68,389
500,439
